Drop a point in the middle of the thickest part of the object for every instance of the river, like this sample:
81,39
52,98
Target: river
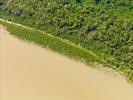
29,72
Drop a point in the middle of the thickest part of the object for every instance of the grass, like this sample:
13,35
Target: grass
62,46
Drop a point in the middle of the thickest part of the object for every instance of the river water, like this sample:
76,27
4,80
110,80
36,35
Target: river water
29,72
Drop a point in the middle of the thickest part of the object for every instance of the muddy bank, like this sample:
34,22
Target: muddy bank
29,72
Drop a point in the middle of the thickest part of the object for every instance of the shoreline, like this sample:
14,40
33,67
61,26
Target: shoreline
77,53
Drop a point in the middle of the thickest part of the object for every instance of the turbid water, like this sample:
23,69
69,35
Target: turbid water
29,72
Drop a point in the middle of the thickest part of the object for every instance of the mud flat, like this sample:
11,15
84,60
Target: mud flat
29,72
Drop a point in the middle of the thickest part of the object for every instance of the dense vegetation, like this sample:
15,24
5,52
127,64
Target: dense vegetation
102,26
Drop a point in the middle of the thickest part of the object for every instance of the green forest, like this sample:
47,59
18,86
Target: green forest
103,26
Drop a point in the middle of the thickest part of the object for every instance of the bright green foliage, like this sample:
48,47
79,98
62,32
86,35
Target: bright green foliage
55,43
103,26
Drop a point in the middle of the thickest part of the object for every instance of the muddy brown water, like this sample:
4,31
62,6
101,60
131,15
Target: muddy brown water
29,72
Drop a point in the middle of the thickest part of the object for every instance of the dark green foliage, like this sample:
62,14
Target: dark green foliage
1,2
78,1
97,1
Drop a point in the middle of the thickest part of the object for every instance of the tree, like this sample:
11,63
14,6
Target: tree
97,1
1,2
78,1
16,11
